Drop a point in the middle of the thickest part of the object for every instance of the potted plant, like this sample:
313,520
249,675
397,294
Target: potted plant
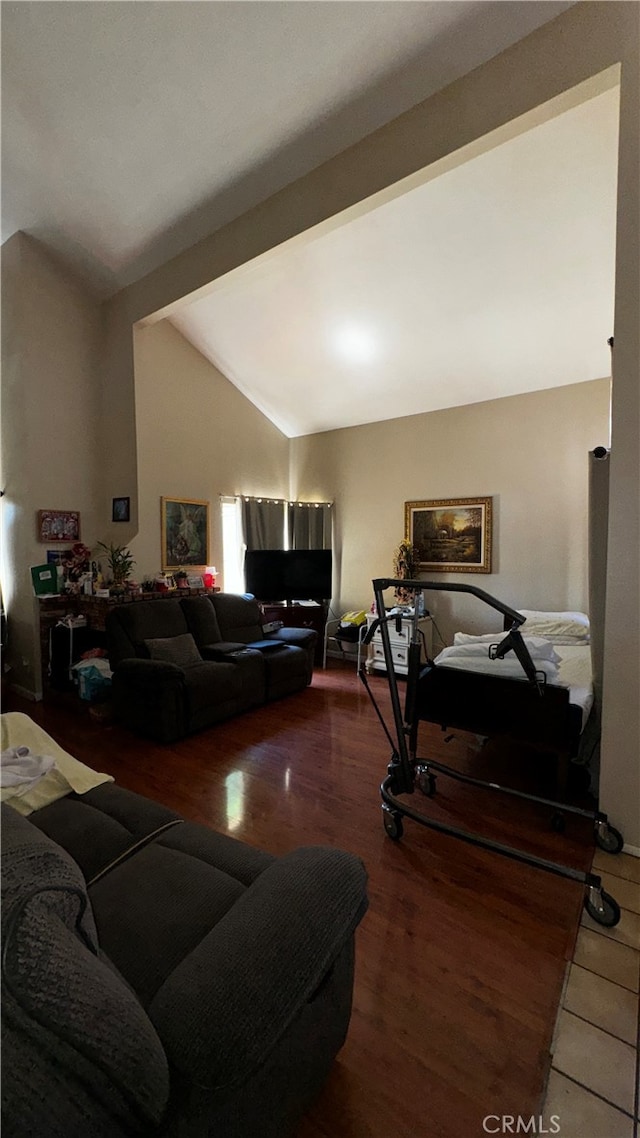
121,562
405,568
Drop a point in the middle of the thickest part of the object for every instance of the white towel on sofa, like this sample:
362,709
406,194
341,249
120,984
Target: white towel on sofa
21,769
65,775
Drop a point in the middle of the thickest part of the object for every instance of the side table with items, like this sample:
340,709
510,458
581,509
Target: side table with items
399,639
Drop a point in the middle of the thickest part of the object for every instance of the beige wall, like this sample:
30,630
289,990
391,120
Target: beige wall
197,437
50,427
529,452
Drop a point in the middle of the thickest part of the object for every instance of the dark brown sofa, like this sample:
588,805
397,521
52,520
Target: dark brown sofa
159,978
181,665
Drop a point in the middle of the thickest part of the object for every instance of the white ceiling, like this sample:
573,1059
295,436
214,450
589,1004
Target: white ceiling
131,130
493,279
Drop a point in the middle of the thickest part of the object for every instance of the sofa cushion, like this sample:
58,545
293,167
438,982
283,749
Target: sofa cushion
201,619
87,1047
146,939
210,683
239,617
139,621
106,824
181,650
286,670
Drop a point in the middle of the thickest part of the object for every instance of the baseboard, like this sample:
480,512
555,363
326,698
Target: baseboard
634,851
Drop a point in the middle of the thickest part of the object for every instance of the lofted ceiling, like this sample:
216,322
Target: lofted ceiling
493,279
132,130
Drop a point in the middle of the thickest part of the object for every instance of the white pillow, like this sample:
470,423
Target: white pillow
539,647
561,627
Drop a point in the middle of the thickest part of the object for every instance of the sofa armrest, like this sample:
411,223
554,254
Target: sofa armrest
221,650
303,637
224,1008
148,672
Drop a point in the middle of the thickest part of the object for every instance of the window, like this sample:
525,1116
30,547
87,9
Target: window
233,546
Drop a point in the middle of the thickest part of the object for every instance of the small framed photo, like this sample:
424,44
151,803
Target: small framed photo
58,525
195,581
121,510
451,535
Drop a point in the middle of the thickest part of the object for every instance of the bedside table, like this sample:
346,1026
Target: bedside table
399,640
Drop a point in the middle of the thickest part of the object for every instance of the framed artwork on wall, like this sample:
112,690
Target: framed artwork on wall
185,533
451,535
121,510
58,525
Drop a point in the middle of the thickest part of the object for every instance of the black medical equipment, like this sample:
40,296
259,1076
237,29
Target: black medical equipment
406,770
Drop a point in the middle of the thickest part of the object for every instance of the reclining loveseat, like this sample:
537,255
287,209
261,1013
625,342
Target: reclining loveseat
180,665
161,979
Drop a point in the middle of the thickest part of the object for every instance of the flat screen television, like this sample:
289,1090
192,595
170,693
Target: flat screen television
288,574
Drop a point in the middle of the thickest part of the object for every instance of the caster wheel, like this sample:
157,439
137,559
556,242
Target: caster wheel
426,782
603,908
392,823
557,823
608,838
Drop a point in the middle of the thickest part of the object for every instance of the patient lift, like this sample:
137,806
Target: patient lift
406,770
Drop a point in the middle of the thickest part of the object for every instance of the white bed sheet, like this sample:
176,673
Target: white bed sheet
573,671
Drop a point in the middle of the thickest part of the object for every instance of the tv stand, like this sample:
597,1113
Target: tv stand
312,614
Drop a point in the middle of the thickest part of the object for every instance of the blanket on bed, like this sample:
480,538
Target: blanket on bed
473,654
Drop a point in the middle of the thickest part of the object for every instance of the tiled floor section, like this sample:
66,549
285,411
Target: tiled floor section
594,1083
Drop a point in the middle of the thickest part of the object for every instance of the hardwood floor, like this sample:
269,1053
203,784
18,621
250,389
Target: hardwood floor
461,957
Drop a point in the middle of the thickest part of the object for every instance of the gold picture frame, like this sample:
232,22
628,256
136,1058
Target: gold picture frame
184,533
451,535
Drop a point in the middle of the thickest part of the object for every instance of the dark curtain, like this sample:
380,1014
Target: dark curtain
309,525
263,523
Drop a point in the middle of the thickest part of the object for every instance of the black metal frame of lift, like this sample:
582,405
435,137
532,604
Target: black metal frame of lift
406,769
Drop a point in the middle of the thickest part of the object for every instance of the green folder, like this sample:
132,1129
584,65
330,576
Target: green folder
45,580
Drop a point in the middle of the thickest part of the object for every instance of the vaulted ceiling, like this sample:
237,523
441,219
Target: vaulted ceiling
131,130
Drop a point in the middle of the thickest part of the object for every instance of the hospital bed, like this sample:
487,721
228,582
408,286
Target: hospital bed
521,705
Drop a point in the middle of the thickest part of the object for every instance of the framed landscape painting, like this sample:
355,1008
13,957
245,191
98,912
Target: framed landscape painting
452,535
185,533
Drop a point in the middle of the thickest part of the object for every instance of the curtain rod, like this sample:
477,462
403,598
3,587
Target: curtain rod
277,501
